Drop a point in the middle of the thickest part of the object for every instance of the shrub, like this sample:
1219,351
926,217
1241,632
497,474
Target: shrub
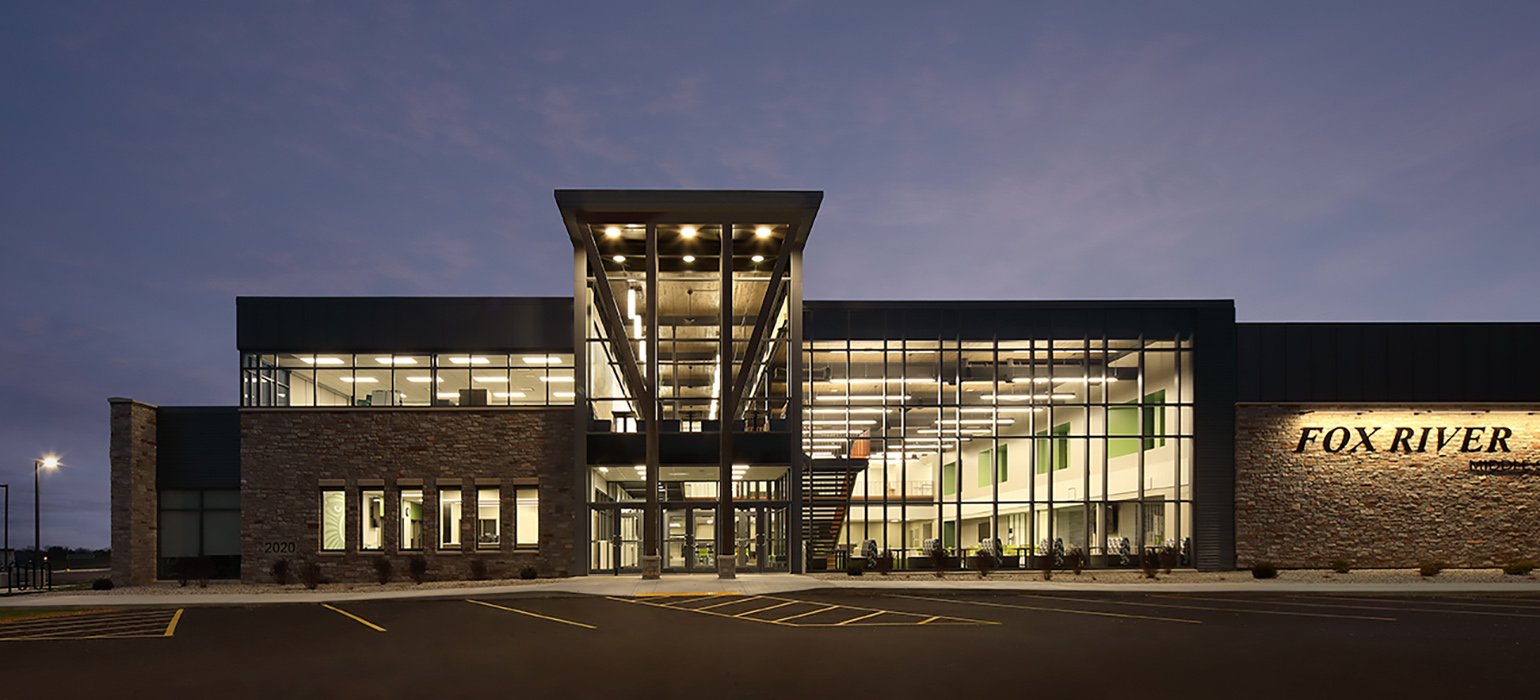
101,584
529,573
1264,569
1340,566
1430,568
478,570
939,560
1518,568
383,569
854,567
280,571
1045,564
984,561
1149,562
310,575
885,563
417,568
1075,559
1169,556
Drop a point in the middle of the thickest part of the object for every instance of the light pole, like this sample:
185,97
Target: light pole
7,547
38,465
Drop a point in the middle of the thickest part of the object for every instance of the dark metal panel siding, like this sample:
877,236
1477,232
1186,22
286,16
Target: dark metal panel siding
1214,380
198,448
403,324
1388,362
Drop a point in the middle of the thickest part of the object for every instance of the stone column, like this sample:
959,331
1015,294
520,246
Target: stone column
134,507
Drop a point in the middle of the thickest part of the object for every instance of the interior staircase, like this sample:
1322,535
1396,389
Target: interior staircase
826,488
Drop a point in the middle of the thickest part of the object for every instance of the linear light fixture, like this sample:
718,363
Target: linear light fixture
875,397
557,379
853,409
422,380
360,380
563,394
886,380
853,421
323,360
976,421
1064,380
470,360
1027,397
508,394
490,379
448,395
541,360
396,360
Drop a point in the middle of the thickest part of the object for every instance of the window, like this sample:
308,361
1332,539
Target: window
411,519
334,523
202,529
999,465
1054,451
449,513
372,529
487,521
385,380
526,517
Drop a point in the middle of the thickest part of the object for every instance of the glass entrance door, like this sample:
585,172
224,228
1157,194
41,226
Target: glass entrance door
689,539
616,535
759,533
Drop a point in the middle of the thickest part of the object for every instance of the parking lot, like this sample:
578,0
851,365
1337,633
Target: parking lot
901,644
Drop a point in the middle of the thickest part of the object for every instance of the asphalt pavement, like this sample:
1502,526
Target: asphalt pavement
810,643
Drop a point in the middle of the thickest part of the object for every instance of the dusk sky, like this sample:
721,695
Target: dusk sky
1312,161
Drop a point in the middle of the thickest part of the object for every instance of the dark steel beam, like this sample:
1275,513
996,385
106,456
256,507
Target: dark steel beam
728,406
609,315
650,412
766,307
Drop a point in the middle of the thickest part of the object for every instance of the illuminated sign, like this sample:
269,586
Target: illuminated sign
1402,439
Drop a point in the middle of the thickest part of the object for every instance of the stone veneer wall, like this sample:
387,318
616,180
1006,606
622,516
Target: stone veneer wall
287,455
1382,508
132,452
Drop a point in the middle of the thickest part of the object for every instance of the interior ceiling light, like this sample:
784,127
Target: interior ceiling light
689,258
396,360
1027,397
877,397
758,258
542,360
857,409
854,421
509,394
762,232
491,380
556,380
323,361
619,258
360,380
687,232
1065,380
471,360
564,394
422,380
448,395
612,231
886,380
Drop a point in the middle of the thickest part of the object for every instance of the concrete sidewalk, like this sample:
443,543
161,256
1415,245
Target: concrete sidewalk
752,584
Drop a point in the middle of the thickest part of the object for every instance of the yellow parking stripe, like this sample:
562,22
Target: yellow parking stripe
772,607
858,619
1068,611
730,602
84,622
533,614
353,617
1210,608
171,628
811,612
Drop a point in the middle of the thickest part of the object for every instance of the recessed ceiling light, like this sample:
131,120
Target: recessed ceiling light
422,380
687,231
689,258
542,360
758,258
762,231
324,361
612,231
619,258
360,380
396,360
471,360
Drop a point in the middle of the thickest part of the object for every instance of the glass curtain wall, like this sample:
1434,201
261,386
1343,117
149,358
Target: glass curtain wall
1031,447
374,380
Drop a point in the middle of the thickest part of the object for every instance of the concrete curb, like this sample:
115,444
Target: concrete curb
745,585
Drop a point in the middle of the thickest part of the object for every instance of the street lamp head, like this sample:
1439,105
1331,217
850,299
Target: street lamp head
50,461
